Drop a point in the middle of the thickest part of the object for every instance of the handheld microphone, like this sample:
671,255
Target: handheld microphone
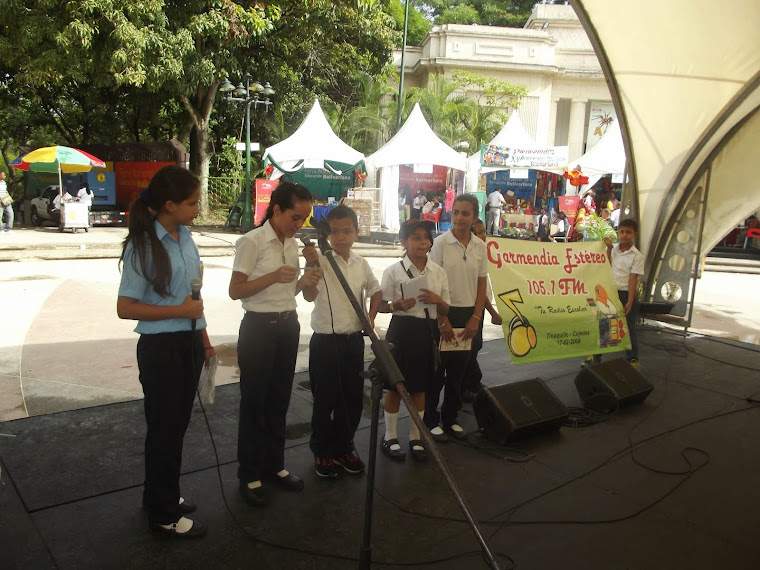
195,287
308,243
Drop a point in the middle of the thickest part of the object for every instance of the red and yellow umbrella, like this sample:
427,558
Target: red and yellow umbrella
57,159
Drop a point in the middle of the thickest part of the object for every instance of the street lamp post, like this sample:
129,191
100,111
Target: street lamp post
252,93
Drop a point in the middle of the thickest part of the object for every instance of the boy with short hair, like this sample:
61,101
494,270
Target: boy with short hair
627,266
336,350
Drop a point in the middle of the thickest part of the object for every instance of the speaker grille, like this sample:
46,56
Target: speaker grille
516,410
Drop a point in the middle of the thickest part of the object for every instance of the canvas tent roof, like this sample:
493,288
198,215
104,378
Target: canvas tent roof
688,108
313,140
689,111
606,157
416,143
513,133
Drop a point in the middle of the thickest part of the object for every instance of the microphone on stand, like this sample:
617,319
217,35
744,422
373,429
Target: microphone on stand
308,243
195,287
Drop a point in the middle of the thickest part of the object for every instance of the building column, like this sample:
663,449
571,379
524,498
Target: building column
576,133
552,123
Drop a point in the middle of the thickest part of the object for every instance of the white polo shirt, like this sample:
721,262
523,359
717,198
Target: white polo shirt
463,266
260,252
395,276
333,312
624,263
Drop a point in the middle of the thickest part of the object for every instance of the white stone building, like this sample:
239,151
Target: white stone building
552,56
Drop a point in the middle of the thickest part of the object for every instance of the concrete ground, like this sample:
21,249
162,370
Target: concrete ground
62,346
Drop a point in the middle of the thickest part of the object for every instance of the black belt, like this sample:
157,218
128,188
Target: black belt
346,336
272,317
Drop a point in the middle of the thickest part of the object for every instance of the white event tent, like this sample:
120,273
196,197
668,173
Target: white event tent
606,157
313,143
512,134
414,143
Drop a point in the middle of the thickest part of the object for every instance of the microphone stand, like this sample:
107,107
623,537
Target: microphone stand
385,366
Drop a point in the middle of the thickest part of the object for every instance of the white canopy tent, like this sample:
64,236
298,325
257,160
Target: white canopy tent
313,143
414,143
512,134
606,157
688,110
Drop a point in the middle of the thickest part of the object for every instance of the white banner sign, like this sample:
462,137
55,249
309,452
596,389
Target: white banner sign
553,157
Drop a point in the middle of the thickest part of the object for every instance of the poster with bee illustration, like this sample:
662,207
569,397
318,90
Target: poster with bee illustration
601,116
557,300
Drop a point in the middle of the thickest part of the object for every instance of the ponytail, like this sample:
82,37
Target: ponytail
171,183
285,196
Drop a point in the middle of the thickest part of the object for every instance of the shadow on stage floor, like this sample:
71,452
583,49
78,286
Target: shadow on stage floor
669,483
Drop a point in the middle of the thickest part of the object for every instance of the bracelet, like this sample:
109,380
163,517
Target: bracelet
443,324
477,317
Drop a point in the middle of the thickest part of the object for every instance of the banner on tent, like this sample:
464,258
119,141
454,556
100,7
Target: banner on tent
552,157
556,300
434,181
523,188
601,116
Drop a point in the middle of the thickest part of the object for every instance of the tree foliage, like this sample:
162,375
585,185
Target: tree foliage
508,13
417,27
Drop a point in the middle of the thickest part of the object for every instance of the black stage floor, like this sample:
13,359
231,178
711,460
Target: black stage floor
667,484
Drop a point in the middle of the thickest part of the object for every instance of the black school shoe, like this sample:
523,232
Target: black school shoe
290,482
350,462
325,467
255,497
197,530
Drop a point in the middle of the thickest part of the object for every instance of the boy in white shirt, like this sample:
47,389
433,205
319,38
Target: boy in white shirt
336,349
627,266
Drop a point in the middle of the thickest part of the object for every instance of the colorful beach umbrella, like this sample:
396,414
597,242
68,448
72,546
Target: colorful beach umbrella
57,159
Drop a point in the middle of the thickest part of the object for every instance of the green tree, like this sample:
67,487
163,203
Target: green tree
508,13
417,27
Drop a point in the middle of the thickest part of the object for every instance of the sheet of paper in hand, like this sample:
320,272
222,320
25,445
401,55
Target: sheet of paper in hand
413,289
457,344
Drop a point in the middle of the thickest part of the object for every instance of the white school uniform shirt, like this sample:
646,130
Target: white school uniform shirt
260,252
463,266
395,276
624,263
333,312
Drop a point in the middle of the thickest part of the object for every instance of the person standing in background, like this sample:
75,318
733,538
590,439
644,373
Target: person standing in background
495,201
7,202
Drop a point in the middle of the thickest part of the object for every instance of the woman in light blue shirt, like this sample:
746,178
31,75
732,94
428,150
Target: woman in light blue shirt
159,261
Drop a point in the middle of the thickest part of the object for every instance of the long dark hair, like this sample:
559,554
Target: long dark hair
285,196
171,183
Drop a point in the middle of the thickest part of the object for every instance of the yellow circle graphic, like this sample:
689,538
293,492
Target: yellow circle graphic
100,177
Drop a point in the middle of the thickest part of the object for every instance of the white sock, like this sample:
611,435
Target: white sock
283,473
437,430
254,484
181,526
414,431
456,427
391,429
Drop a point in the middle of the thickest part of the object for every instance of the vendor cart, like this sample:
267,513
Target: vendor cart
74,216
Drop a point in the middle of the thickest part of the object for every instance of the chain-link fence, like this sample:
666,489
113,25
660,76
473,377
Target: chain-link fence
222,195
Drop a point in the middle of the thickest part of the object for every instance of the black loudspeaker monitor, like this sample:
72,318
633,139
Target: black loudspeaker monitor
611,385
517,410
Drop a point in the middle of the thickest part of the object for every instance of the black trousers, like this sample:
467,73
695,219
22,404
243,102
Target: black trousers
335,362
170,364
456,364
267,350
474,374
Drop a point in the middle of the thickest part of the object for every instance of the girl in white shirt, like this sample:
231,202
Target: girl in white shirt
264,277
413,332
463,258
